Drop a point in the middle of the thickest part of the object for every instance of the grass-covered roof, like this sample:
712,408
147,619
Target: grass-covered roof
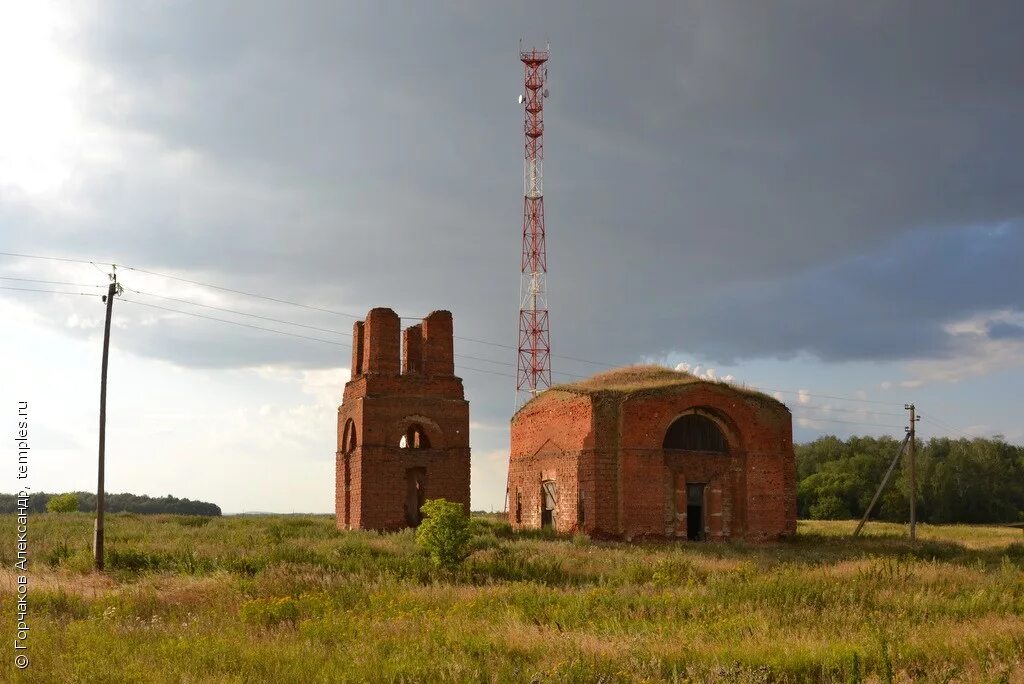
649,378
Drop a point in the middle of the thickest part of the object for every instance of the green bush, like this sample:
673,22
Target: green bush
62,503
829,508
444,532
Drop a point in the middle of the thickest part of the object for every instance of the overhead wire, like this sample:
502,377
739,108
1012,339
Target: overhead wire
797,407
945,426
458,337
301,325
274,330
348,315
239,323
240,292
233,311
30,289
851,422
53,258
842,409
50,282
828,396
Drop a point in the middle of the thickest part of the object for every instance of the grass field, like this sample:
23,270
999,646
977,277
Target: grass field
289,598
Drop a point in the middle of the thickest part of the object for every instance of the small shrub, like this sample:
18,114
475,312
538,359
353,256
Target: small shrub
581,540
135,560
444,533
63,503
58,554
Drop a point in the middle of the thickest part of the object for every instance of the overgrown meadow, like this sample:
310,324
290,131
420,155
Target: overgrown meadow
290,598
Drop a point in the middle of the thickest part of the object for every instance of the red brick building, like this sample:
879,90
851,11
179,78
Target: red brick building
645,451
403,424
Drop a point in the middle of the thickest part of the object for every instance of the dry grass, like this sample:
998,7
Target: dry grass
648,377
289,598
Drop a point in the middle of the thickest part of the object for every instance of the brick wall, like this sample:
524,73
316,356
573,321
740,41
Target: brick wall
606,449
399,386
550,439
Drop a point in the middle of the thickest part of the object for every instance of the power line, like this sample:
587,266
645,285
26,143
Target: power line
222,309
280,332
29,289
240,313
827,396
242,292
301,325
852,422
338,313
50,282
53,258
239,323
945,426
467,368
465,339
351,315
841,409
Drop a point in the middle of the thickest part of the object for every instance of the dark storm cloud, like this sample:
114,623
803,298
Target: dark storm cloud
889,304
1003,330
730,179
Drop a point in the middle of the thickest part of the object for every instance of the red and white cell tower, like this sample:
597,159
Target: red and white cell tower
534,368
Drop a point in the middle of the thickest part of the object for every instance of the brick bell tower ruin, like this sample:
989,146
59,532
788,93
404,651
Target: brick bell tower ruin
403,424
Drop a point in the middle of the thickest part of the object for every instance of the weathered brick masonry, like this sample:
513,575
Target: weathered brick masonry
403,424
650,452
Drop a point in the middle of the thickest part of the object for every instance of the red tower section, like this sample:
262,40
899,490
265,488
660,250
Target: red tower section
403,424
534,348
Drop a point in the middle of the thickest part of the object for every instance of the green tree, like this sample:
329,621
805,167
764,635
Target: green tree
962,480
62,503
444,532
830,508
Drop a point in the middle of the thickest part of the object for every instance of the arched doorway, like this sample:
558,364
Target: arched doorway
695,445
348,445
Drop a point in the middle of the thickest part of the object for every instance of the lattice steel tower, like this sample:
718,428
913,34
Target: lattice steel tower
534,349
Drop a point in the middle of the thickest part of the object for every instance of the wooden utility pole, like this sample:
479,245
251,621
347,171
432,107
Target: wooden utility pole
112,292
882,486
911,461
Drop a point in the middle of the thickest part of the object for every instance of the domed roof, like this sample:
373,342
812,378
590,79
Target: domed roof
649,378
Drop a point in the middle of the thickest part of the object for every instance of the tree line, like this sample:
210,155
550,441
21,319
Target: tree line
958,480
116,503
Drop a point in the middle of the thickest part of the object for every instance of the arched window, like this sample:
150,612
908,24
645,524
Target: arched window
415,437
694,432
348,439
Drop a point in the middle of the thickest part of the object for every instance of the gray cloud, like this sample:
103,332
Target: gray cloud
1004,330
731,179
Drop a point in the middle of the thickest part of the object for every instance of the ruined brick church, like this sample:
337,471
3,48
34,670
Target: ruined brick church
638,452
403,424
646,451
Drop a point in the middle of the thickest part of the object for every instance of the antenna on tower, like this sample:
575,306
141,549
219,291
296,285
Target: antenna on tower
534,349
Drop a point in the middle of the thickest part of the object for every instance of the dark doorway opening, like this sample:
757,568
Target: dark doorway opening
695,512
415,495
547,506
348,489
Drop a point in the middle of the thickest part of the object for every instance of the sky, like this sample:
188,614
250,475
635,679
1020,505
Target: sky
822,200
